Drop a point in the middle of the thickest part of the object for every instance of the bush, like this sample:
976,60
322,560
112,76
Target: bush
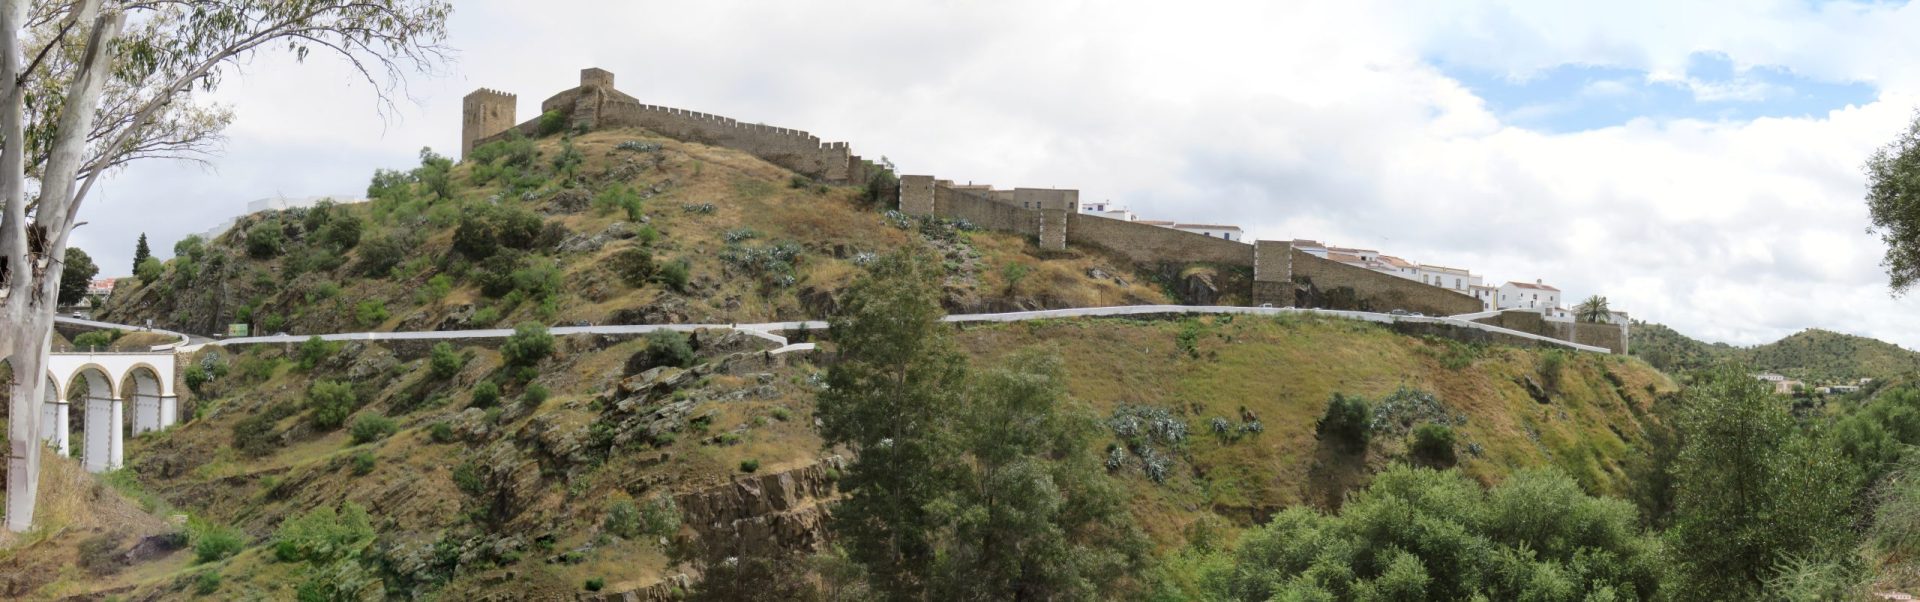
264,239
150,270
254,435
467,477
1347,423
440,432
1550,366
313,351
660,517
323,535
551,122
495,274
212,541
380,254
750,465
535,395
675,276
634,265
368,428
444,362
1433,446
206,583
342,231
96,339
623,519
485,395
664,348
363,462
331,402
538,281
596,584
436,289
529,344
370,313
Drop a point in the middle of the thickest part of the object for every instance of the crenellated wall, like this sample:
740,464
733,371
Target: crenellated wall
484,113
595,104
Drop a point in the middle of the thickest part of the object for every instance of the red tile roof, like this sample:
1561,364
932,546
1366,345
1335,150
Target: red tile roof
1541,287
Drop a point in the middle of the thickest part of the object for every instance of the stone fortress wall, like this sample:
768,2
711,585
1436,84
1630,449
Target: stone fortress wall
1282,275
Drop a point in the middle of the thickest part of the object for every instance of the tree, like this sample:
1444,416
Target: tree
76,276
1893,203
1750,490
1593,310
102,83
891,399
141,252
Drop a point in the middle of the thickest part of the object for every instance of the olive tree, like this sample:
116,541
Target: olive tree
92,85
1893,202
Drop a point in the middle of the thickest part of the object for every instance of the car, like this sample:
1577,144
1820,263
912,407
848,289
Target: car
280,334
1417,315
1267,305
80,314
1398,312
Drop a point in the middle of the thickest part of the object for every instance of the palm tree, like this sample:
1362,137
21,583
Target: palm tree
1594,309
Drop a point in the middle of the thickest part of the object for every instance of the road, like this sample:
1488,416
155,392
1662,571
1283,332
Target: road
771,330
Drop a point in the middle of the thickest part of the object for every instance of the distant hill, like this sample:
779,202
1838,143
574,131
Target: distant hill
1813,355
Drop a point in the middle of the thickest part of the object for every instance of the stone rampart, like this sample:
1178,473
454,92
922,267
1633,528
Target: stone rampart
1376,291
1611,336
1153,245
982,211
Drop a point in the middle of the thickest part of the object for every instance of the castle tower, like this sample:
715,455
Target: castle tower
595,77
485,113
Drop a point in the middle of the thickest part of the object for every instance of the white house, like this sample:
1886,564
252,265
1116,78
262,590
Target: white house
1488,296
1455,279
1399,267
1528,295
1311,247
1213,230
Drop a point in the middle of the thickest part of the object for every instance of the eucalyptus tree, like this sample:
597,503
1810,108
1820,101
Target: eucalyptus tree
92,85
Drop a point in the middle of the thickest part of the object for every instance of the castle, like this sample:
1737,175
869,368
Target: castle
487,115
1279,273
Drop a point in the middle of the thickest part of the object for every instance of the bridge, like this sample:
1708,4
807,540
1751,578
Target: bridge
103,383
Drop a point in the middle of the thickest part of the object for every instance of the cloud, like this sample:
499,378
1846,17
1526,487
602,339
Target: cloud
1327,121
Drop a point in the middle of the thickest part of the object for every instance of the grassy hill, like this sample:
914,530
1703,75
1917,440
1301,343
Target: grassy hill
615,226
471,494
1812,355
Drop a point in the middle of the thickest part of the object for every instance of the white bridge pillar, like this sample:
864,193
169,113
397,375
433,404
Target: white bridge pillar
55,426
169,410
146,413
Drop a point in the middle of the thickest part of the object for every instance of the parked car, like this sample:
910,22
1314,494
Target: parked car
1399,312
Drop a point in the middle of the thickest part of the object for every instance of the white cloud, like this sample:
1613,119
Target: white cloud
1322,121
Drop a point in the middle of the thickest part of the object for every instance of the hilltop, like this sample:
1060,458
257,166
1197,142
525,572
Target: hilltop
615,226
1812,355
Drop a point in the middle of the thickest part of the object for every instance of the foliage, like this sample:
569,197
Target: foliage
444,362
660,517
1417,533
1893,203
1876,436
76,274
1433,446
1593,310
331,402
149,271
206,582
467,477
1750,489
534,395
882,186
324,535
674,275
370,312
750,465
212,541
484,229
141,252
486,394
313,351
664,348
1347,423
371,427
436,289
529,343
1151,433
380,253
595,584
634,265
618,197
1893,536
551,122
254,435
97,339
1552,364
265,239
363,462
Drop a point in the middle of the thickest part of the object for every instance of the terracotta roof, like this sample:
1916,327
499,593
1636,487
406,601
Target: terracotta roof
1541,287
1343,257
1207,226
1396,262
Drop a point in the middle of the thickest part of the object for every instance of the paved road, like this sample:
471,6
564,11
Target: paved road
184,339
770,330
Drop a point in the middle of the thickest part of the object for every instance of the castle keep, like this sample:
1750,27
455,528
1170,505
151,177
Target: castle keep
1281,273
487,115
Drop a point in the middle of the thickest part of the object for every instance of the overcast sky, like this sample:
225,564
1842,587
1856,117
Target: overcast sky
1698,165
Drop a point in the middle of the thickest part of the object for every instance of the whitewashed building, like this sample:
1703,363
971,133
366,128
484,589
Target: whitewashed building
1213,230
1528,295
1454,279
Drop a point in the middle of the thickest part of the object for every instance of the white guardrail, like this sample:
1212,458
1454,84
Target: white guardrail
768,330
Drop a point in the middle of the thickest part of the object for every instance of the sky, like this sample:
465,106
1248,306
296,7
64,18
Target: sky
1698,163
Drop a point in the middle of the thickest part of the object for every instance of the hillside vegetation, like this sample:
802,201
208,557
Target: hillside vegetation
1812,355
492,471
615,226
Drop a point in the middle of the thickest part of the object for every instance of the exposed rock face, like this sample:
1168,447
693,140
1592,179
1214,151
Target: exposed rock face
765,514
1199,289
667,590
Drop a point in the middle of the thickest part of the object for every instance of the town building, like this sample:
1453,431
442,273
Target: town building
1528,295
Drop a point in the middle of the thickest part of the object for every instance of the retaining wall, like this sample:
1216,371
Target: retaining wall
1154,245
1611,336
983,211
1378,291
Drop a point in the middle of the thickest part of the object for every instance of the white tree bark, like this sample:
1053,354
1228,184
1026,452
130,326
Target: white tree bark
34,286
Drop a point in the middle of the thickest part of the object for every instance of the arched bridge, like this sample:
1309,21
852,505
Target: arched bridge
103,383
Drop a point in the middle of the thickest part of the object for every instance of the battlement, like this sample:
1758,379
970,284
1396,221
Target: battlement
596,77
488,93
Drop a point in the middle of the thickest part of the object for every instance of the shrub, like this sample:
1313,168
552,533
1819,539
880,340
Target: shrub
197,379
149,270
486,394
476,236
436,289
440,432
1551,363
444,362
323,535
750,465
370,312
487,316
538,281
368,428
313,351
634,265
467,477
529,344
664,348
660,517
495,274
191,246
623,519
206,583
535,395
551,122
617,197
1433,446
1346,423
254,435
596,584
96,339
363,462
212,541
380,254
675,276
342,231
264,239
331,402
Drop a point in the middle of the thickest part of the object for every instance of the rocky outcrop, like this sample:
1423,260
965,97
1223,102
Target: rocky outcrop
667,590
766,514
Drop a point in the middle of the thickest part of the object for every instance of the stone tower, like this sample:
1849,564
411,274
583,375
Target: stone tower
485,113
595,77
